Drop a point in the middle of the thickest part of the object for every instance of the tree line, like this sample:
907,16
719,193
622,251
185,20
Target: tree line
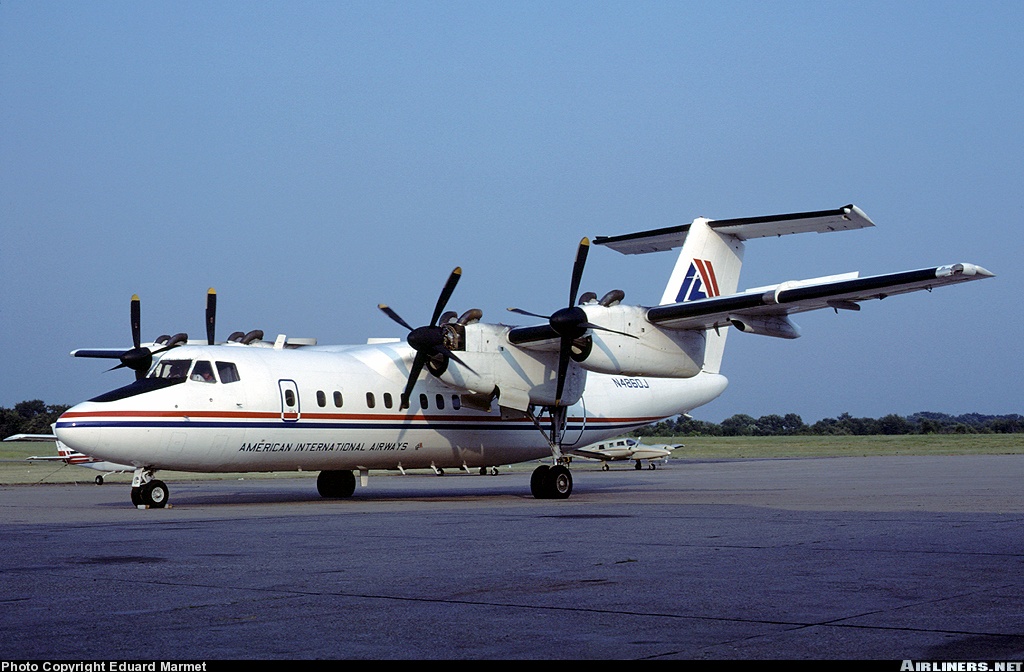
35,417
792,424
29,417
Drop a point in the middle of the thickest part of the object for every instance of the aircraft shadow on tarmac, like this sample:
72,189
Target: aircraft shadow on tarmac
384,489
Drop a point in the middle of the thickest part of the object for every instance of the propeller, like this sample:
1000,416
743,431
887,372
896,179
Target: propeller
428,341
571,322
139,359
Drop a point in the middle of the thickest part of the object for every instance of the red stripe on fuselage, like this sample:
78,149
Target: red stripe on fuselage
390,417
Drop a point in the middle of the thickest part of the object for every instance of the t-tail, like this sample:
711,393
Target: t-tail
712,255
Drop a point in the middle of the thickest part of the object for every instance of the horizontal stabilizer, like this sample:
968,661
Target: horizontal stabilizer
821,221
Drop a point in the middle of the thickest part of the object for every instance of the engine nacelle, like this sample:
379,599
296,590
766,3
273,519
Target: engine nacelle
778,327
521,378
656,351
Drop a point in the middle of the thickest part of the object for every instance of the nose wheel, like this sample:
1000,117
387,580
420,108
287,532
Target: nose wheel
148,491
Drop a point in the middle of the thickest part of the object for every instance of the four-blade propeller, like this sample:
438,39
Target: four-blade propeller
571,322
428,341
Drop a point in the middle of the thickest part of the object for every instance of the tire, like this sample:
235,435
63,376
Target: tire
154,494
537,481
558,482
336,484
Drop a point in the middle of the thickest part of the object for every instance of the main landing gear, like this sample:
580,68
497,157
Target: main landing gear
336,484
148,491
549,482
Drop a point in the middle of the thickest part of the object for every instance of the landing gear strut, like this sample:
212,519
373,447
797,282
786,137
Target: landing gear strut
552,482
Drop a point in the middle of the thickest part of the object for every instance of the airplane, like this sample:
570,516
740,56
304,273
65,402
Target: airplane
68,456
624,448
492,394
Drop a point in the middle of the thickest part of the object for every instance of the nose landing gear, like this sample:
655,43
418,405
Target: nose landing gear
147,491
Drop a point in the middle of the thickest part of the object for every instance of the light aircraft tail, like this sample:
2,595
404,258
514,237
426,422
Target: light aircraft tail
712,255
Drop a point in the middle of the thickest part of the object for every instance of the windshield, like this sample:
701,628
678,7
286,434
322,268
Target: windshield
171,368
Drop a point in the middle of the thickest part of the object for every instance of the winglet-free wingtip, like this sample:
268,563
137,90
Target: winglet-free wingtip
851,208
964,269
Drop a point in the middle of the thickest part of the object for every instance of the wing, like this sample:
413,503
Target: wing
777,301
592,454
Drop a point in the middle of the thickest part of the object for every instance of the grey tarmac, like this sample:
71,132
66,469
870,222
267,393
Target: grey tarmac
891,558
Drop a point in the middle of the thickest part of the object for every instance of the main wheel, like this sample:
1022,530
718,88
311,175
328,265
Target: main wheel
537,481
154,494
558,482
336,484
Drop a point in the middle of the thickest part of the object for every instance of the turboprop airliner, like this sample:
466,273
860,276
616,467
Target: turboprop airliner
491,394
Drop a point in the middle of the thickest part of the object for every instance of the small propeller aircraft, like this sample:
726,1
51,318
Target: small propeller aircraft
71,457
492,394
625,449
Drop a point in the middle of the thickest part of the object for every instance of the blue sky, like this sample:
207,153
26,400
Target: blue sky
311,160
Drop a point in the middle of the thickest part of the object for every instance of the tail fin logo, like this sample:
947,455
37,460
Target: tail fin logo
700,282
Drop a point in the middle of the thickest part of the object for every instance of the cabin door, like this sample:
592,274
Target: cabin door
290,410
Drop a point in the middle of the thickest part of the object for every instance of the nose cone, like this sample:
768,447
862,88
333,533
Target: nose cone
74,429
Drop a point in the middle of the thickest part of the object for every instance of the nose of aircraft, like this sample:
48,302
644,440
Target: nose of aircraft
74,429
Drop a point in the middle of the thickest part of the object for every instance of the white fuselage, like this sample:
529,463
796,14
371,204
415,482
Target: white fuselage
337,408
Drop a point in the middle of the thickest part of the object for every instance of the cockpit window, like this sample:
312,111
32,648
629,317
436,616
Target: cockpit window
171,368
228,372
203,372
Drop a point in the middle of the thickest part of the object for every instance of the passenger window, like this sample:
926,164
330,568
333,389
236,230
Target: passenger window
171,368
228,372
337,399
423,402
203,372
440,402
321,398
456,402
289,399
388,401
370,401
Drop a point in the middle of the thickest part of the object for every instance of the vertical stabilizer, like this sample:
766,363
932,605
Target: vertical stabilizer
708,266
709,263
